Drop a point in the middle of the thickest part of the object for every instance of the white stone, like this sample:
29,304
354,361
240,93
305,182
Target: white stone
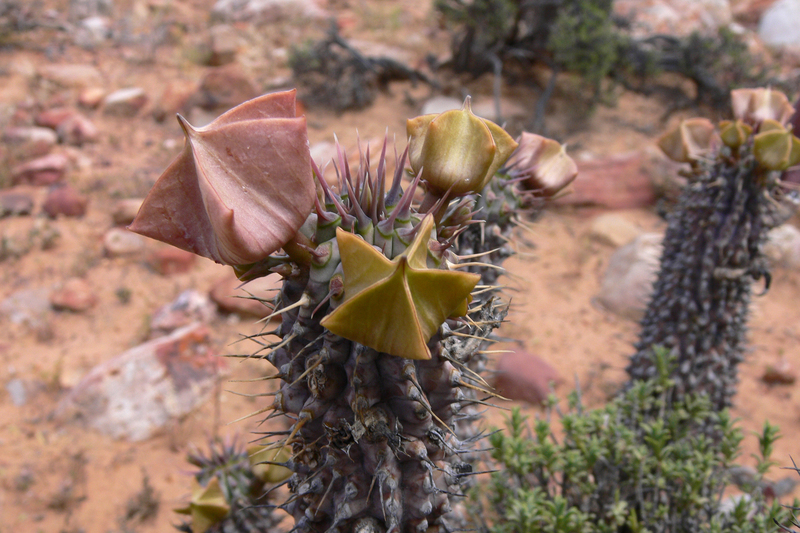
628,282
780,24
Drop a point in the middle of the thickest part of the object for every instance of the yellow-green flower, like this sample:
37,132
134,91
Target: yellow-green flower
456,150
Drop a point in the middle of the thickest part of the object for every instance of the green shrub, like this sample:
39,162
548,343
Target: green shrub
642,463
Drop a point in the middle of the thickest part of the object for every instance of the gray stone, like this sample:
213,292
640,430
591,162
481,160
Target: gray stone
614,230
19,394
189,307
119,242
779,24
674,17
15,204
134,394
30,307
264,10
783,246
628,281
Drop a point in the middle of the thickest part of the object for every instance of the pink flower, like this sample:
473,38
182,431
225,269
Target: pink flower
241,187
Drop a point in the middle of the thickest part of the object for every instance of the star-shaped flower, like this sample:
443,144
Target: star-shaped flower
395,306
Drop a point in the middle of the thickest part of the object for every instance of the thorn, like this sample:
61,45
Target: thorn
304,300
265,378
254,413
480,254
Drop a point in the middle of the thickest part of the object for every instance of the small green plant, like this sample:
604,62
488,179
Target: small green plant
638,464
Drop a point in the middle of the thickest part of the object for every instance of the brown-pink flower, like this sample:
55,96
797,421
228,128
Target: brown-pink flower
241,187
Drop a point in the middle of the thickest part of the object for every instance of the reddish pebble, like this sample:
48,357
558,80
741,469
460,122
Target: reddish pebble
52,118
75,295
525,377
45,170
168,261
780,373
66,201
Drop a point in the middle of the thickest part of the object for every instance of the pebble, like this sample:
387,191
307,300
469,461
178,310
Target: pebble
51,118
124,211
781,373
190,306
628,281
30,141
134,394
45,170
77,130
613,229
231,296
15,204
64,200
779,23
174,99
224,42
617,181
28,306
17,391
119,242
223,88
74,295
783,246
91,97
265,10
125,102
526,377
168,261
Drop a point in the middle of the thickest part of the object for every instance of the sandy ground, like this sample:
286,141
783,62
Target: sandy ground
62,478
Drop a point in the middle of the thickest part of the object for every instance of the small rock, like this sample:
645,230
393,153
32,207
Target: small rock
440,104
138,392
168,260
525,377
224,44
223,88
174,99
45,170
673,17
124,211
232,296
15,204
77,130
265,10
64,200
91,97
780,373
190,306
628,280
92,31
75,295
16,389
783,246
30,307
613,230
27,142
125,102
51,118
119,242
75,75
778,26
616,182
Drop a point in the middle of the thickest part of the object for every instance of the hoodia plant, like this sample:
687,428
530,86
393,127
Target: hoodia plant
379,318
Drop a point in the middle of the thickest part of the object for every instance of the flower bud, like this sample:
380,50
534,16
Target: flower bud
691,140
457,150
241,187
542,164
734,133
754,106
776,149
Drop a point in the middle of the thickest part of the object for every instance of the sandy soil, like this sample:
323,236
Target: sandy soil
61,478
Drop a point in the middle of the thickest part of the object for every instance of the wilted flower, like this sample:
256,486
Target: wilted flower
457,150
542,164
692,139
241,187
754,106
